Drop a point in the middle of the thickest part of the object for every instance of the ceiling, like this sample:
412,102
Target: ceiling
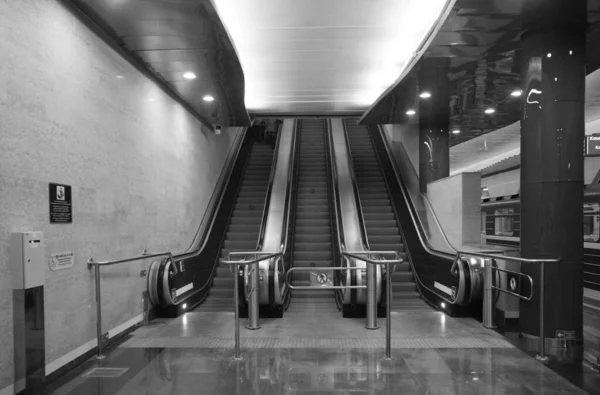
500,149
325,57
482,40
167,38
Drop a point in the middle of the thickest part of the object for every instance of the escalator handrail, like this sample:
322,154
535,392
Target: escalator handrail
265,214
288,192
226,176
428,203
335,190
416,221
361,217
424,244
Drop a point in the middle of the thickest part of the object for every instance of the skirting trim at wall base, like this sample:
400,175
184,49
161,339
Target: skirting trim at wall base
79,351
52,369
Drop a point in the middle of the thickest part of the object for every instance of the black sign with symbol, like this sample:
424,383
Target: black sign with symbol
322,278
61,209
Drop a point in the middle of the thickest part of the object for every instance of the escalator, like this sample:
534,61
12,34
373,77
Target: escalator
444,281
244,225
312,238
381,224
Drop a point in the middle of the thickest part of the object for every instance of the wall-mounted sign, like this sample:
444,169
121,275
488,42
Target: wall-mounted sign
61,210
592,145
61,260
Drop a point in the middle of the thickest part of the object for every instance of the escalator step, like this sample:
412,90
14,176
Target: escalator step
244,225
380,220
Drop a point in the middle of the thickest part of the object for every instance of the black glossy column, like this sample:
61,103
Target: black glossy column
434,121
552,137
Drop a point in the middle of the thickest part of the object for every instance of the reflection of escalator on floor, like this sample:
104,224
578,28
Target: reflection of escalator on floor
381,224
312,237
244,225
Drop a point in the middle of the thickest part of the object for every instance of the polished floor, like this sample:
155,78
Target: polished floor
319,354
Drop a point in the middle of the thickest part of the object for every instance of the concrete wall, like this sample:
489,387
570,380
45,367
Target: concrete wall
142,171
456,201
407,136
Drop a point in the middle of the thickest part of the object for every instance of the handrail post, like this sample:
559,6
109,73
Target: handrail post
488,295
388,323
542,355
371,297
98,311
253,301
236,312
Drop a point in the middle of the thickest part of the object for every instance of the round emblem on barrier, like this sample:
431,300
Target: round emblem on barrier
322,278
513,284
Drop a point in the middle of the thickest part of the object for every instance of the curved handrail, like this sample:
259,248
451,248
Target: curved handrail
218,190
189,254
425,199
424,243
361,217
416,221
263,222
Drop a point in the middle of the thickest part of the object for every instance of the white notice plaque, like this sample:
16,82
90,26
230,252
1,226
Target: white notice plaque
61,260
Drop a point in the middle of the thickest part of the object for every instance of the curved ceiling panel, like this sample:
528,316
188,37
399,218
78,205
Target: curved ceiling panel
172,38
324,57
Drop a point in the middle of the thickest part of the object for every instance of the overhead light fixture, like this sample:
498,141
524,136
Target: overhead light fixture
490,111
455,131
516,93
208,98
411,112
188,75
425,95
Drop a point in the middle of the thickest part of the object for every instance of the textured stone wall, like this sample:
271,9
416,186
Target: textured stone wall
142,170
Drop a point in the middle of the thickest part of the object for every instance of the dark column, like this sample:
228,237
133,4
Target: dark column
552,136
434,121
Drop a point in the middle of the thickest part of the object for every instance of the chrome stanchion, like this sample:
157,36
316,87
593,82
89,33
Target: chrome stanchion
98,310
488,295
542,355
253,312
388,323
236,311
371,297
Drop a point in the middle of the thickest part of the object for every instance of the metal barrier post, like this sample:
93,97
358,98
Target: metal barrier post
98,312
237,356
371,297
253,301
542,355
488,295
388,323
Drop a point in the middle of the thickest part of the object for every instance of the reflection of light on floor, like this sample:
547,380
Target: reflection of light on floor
443,321
185,320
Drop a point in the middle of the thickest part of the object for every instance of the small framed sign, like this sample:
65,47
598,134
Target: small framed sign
61,207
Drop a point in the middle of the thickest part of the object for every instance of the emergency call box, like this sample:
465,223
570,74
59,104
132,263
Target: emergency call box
28,257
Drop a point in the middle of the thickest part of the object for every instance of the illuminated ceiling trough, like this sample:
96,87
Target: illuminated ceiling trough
335,56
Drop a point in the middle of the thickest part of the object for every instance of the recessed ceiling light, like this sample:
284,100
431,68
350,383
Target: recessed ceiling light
411,112
425,95
516,93
490,111
455,131
188,75
208,98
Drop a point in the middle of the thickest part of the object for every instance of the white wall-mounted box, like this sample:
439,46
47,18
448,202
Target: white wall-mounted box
28,259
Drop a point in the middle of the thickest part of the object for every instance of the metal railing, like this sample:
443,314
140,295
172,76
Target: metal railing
488,287
96,265
236,309
372,258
